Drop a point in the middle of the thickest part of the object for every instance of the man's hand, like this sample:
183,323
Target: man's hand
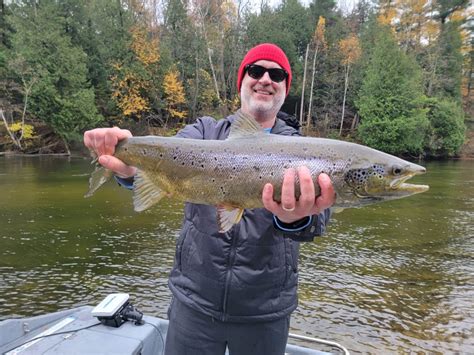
103,141
291,210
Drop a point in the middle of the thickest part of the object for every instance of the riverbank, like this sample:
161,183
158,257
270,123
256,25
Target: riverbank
46,142
467,150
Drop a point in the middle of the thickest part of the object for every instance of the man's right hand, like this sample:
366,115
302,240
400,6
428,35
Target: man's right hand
103,141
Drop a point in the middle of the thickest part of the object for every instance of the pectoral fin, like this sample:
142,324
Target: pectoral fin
145,192
227,216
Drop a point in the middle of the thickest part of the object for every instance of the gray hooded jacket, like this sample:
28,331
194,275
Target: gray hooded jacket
248,274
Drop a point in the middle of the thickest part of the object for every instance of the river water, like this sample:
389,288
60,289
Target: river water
393,278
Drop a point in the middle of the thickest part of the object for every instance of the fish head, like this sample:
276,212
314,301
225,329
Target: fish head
381,181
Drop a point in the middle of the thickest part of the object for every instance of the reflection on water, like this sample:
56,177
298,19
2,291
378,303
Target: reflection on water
392,278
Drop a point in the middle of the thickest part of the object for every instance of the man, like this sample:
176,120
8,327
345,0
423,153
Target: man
238,289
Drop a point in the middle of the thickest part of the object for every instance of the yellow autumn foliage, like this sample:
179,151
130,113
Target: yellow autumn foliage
145,49
319,33
350,49
235,103
387,13
129,86
127,93
415,26
174,93
28,130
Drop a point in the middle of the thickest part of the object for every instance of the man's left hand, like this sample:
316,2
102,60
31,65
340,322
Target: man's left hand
290,209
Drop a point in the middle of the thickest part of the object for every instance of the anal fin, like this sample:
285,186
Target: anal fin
145,192
227,216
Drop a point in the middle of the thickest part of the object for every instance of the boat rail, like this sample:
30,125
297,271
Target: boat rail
320,341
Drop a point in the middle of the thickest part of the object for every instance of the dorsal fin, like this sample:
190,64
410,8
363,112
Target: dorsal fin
244,126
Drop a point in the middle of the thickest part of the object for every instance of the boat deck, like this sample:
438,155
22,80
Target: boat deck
56,333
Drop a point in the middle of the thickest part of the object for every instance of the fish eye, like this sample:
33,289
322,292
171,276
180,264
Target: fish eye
397,170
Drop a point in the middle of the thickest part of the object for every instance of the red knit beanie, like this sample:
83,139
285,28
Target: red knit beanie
265,51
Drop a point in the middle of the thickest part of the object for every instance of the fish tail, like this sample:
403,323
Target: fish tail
99,176
94,156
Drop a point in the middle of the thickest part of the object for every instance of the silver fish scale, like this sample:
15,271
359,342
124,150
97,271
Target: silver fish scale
218,173
234,171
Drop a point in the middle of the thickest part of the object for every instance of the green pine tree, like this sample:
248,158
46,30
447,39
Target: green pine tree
391,98
62,96
447,130
448,72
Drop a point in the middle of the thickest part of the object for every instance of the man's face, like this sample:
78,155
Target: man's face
262,97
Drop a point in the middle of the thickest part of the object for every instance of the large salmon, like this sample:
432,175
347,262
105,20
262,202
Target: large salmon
231,173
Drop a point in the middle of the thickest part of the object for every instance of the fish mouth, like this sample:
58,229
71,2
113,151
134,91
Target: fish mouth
400,185
413,188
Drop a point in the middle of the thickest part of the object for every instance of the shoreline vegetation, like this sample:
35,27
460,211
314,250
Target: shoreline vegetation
56,146
392,75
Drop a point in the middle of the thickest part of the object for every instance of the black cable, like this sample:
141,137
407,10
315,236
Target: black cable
50,335
158,330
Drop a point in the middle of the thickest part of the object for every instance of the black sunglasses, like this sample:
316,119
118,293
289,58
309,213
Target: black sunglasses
257,71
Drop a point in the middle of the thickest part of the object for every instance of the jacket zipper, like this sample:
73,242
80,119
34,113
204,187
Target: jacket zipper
228,276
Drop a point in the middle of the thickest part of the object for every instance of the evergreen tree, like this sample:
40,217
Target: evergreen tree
324,8
390,100
447,130
179,38
295,29
448,72
102,29
61,96
260,29
446,8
